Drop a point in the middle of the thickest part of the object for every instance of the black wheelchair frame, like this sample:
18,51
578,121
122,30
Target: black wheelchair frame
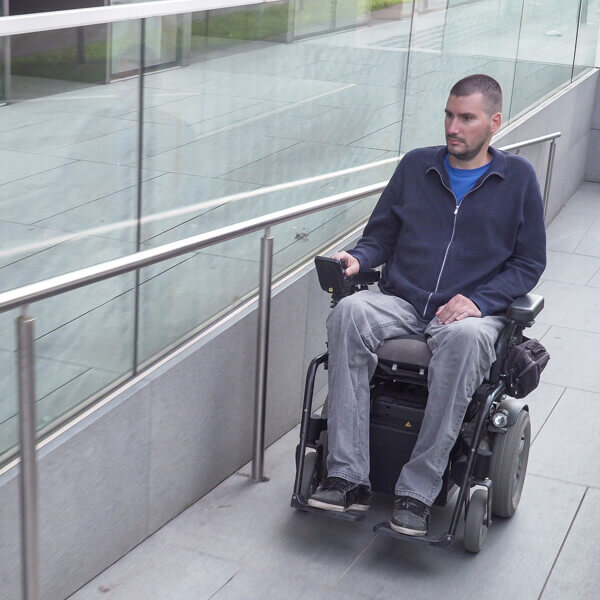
490,411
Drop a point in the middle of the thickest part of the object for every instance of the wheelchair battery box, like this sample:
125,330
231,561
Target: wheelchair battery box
394,428
394,410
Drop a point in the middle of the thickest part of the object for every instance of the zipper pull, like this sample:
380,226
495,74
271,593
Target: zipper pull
456,209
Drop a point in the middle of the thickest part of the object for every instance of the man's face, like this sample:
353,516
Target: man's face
468,126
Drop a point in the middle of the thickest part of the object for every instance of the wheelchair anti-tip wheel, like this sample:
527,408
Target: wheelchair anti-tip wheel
476,522
509,466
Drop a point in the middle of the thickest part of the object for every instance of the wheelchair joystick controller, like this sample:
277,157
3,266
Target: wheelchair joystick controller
333,280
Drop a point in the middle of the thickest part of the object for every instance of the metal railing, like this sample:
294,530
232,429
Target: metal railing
23,296
82,17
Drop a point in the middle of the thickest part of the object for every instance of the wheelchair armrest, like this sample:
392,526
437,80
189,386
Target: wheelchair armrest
364,277
525,309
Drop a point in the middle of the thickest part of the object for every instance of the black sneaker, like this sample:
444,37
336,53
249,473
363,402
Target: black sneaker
410,516
340,495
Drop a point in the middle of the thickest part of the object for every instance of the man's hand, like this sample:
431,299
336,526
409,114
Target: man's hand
457,308
352,264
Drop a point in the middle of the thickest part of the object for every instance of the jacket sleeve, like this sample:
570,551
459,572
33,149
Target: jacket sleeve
525,266
381,232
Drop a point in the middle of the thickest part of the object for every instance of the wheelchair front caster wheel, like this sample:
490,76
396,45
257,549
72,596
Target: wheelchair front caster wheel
476,522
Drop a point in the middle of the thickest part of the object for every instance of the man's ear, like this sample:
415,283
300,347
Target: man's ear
495,122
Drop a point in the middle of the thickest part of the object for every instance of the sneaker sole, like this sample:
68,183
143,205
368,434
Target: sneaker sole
406,531
336,507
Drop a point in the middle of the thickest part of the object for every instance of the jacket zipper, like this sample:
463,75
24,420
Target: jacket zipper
437,285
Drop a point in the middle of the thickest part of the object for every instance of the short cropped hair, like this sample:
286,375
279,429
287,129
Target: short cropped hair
482,84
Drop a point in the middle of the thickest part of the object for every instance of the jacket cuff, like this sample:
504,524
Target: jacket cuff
361,257
477,299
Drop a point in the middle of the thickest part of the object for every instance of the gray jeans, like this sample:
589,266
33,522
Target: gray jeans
462,352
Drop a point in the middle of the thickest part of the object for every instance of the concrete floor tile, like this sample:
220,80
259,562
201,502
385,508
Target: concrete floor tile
156,570
60,130
301,160
576,575
76,253
372,96
196,108
121,147
254,583
191,298
524,546
387,138
264,87
41,196
566,231
16,165
90,338
253,523
14,116
570,268
115,214
573,358
542,401
178,79
595,280
538,330
216,155
322,70
590,242
569,305
564,446
18,242
114,100
586,200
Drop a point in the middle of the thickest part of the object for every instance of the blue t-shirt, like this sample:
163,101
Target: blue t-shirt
462,180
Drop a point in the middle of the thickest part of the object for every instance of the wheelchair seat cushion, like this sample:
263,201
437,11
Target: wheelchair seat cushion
405,349
408,350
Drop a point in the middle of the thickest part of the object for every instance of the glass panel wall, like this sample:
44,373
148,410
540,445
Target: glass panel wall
546,51
247,112
66,147
587,36
230,103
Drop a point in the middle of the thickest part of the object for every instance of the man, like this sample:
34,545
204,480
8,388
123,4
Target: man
460,230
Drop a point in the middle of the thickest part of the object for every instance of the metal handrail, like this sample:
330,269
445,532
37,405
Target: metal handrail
23,296
82,17
53,286
82,277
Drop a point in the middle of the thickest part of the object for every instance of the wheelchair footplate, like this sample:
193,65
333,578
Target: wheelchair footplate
385,529
348,515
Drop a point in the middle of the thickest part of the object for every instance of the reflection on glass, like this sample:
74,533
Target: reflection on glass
546,51
68,199
231,107
448,44
248,111
587,35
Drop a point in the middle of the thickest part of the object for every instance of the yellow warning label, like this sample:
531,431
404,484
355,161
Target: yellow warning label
408,424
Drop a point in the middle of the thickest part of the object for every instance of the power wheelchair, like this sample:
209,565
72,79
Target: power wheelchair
491,451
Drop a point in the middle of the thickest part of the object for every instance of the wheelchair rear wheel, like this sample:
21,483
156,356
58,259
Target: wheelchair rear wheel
509,466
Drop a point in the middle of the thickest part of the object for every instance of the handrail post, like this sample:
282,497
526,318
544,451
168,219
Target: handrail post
28,470
262,353
549,169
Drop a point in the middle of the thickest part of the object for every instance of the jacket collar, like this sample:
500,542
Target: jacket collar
497,167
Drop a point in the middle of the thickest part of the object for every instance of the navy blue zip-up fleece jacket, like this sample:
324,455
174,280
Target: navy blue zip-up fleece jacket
491,248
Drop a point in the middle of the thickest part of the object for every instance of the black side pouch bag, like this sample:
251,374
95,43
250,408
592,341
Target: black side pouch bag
524,365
